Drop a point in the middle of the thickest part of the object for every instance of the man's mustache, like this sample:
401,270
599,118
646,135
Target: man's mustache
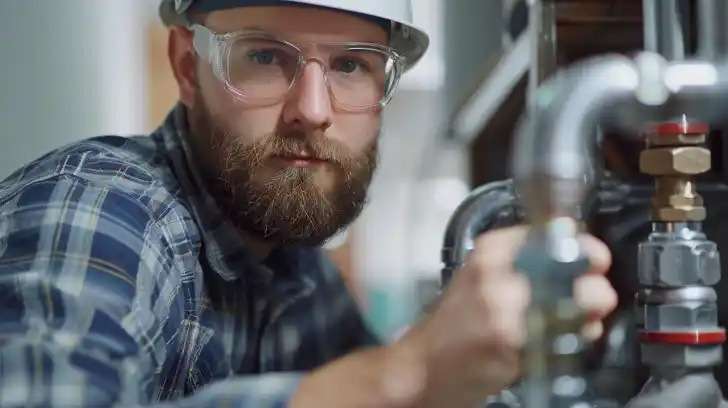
252,156
313,146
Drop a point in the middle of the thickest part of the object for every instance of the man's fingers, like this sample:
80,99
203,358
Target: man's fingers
592,331
495,251
600,258
595,295
493,259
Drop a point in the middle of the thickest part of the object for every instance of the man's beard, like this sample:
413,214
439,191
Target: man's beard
289,207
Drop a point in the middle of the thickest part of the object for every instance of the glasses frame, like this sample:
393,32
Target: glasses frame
215,48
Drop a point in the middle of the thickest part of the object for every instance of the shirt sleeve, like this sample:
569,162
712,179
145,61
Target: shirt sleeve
81,268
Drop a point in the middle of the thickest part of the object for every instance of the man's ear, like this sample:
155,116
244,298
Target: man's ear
182,59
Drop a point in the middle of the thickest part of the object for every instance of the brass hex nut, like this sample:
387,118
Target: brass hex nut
675,161
678,214
677,201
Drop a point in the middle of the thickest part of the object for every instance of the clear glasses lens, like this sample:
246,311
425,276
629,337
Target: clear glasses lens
265,69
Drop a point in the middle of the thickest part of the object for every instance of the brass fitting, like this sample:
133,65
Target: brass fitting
674,156
675,161
676,200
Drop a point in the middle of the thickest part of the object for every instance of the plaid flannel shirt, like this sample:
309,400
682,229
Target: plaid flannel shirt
121,284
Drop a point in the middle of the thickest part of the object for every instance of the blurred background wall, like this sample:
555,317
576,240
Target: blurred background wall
73,69
69,69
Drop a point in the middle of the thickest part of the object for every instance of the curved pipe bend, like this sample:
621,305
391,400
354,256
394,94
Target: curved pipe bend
477,213
552,163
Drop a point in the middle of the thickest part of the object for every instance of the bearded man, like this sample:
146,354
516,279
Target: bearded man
183,269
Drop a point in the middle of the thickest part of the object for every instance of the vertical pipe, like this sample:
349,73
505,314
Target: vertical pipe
649,24
665,28
542,30
712,29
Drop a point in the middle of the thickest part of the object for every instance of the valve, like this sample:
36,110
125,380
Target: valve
676,307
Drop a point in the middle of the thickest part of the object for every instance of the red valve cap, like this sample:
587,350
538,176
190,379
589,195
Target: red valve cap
687,338
681,128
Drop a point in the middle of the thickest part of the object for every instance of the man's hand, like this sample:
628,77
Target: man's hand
470,346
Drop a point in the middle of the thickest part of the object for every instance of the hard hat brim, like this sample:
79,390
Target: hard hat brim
411,42
407,39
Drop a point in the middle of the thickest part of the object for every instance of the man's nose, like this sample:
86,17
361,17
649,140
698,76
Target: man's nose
308,104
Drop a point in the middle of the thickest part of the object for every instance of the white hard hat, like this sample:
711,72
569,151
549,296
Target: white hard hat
406,39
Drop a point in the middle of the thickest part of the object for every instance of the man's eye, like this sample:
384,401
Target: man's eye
262,57
347,66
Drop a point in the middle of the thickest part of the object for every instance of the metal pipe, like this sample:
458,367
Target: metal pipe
477,213
677,265
553,173
542,30
665,28
712,29
551,163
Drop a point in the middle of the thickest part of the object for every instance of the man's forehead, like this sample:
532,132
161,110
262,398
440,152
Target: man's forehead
300,22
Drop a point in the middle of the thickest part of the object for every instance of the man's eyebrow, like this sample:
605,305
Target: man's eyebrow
252,28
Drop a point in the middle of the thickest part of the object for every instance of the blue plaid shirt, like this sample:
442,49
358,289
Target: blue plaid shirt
121,284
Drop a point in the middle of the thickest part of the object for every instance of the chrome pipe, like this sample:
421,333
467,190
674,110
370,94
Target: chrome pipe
712,29
476,214
553,173
665,28
542,32
553,147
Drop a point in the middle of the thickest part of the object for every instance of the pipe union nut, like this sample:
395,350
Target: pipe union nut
679,356
675,161
688,316
678,263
